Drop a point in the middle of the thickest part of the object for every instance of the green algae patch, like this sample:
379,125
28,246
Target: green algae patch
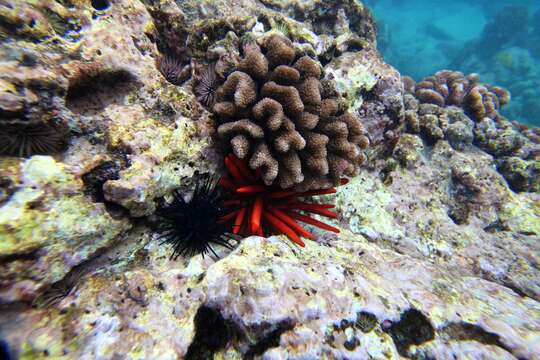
292,29
521,214
408,150
148,136
43,171
50,211
161,156
352,78
23,216
363,202
19,231
49,215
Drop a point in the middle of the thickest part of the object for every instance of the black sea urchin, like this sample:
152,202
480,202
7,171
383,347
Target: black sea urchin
173,69
207,86
25,140
191,227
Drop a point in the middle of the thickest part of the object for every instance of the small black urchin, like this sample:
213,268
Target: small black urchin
173,69
191,227
207,86
25,140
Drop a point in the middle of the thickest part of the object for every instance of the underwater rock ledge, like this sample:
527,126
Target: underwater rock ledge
438,250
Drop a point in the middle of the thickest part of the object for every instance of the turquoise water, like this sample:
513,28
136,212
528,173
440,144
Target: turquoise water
500,40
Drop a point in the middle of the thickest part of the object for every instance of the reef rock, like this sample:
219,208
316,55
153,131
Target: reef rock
372,88
347,298
438,252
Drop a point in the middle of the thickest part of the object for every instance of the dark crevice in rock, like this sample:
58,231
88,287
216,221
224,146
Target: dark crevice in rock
94,180
462,192
270,340
63,27
212,333
7,188
269,5
11,115
518,291
520,175
523,292
413,328
171,32
31,255
97,177
496,226
458,213
96,91
464,331
527,233
5,352
100,4
369,95
57,291
12,308
9,25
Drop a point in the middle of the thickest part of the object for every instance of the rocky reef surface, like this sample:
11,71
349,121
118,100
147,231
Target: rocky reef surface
438,255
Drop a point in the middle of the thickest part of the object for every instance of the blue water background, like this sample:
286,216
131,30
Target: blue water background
498,39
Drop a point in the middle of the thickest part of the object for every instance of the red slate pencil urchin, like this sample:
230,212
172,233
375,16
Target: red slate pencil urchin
259,209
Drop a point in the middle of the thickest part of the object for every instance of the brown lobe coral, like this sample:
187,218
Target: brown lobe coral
287,122
308,67
288,96
254,62
239,88
279,50
446,88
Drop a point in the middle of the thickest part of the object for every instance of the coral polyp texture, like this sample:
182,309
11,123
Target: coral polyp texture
192,226
276,112
259,209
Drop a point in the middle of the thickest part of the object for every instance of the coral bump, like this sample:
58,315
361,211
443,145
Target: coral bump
259,209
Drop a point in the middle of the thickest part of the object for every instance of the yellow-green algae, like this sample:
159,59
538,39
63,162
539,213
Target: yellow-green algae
292,29
351,82
408,150
160,152
20,225
523,213
49,211
19,16
363,202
